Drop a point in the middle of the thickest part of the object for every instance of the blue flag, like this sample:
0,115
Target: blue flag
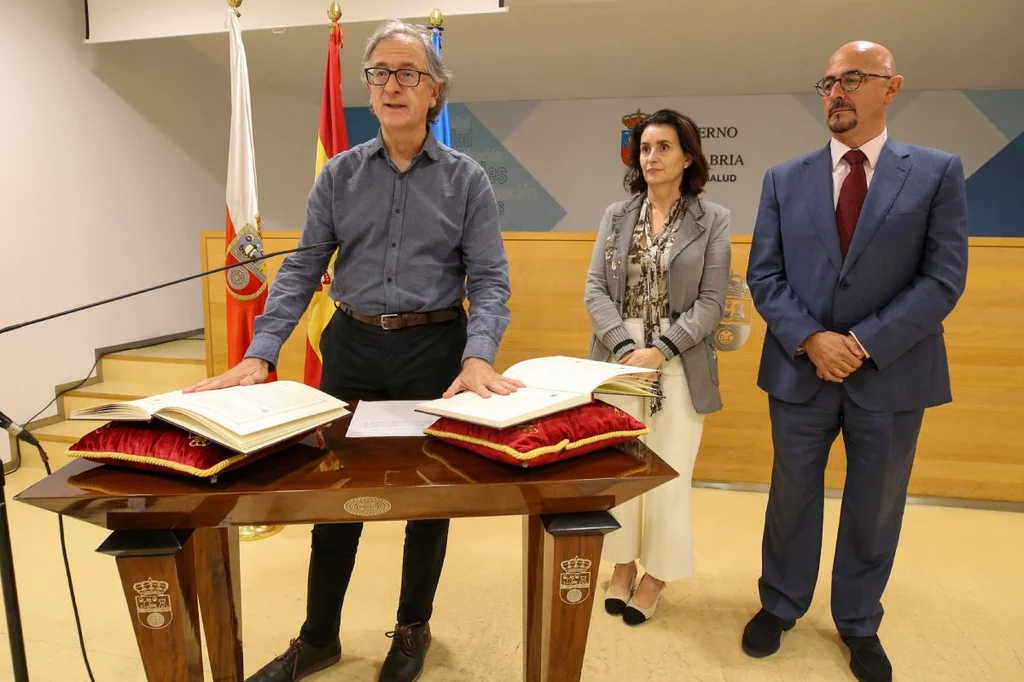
441,127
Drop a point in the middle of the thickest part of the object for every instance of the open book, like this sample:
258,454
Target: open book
243,418
553,384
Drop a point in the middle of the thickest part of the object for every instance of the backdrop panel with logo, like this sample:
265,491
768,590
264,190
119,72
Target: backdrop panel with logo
556,165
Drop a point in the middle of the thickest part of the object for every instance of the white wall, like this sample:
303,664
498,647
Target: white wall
112,162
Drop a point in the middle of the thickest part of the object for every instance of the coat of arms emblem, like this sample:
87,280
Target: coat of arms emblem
153,604
574,583
631,121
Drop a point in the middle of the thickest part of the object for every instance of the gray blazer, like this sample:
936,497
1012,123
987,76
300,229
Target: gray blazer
698,277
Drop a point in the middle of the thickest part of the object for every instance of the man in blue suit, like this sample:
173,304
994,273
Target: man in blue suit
859,253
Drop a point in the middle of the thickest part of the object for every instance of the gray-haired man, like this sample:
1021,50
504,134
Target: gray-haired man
419,227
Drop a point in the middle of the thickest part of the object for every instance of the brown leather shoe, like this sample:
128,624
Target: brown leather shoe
409,644
299,661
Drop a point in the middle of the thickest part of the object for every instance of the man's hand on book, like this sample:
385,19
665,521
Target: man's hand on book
246,373
648,358
478,375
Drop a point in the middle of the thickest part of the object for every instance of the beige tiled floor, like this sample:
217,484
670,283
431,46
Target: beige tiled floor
955,605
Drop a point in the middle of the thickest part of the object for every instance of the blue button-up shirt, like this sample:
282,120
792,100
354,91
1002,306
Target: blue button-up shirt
412,241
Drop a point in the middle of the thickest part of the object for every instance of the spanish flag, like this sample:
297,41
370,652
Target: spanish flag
333,139
246,284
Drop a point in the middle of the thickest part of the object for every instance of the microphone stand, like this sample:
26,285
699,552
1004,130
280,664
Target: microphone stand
10,590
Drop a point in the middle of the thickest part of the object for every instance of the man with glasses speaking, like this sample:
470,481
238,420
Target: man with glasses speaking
859,253
418,223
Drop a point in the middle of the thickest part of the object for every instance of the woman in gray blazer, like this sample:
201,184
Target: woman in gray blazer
655,293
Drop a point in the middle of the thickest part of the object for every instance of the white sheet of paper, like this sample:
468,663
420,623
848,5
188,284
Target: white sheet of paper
380,418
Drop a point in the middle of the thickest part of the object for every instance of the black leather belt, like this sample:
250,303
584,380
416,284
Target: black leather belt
400,320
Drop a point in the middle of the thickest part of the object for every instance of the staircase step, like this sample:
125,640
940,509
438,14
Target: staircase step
127,375
116,391
183,350
122,368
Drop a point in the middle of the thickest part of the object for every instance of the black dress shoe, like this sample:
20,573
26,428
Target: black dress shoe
763,634
299,661
868,660
409,644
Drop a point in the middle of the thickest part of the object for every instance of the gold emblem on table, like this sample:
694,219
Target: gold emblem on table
574,583
153,604
367,506
253,533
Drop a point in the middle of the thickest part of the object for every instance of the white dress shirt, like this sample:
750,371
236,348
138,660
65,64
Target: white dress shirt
840,169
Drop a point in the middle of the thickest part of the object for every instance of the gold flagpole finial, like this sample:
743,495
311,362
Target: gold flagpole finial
235,4
436,18
334,11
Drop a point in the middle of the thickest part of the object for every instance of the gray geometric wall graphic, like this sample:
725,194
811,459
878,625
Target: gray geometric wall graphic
523,204
812,103
1005,108
502,118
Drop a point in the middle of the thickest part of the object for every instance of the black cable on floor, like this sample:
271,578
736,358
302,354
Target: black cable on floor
67,572
60,517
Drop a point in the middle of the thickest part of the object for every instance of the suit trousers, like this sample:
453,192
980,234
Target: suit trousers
880,449
364,362
656,527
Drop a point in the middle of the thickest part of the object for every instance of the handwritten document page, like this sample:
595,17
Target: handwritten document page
388,418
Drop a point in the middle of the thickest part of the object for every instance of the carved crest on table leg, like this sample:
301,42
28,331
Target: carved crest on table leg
153,604
574,582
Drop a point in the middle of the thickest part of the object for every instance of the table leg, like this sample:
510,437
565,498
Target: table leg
561,555
220,599
157,571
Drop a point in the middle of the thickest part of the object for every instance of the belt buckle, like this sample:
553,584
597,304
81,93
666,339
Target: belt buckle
383,324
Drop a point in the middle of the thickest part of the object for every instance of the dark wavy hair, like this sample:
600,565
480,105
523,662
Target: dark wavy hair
694,177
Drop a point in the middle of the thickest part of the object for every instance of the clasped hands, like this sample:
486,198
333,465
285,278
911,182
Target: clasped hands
648,358
836,356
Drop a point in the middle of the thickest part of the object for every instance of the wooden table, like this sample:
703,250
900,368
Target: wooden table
176,542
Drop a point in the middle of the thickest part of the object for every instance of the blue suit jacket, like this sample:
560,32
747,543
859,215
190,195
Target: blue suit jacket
905,270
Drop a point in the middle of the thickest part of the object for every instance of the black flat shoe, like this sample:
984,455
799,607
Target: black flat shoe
763,634
868,661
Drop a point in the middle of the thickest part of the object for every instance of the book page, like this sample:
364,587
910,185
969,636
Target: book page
499,410
130,410
562,373
244,410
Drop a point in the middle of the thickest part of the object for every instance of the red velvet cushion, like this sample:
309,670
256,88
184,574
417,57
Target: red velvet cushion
553,438
159,446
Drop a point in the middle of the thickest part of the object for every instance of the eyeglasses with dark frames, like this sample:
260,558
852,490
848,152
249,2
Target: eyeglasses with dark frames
407,78
849,81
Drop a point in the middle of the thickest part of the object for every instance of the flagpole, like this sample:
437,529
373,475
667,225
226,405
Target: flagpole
249,533
441,126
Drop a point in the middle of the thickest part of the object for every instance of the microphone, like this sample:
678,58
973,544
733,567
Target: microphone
17,431
252,259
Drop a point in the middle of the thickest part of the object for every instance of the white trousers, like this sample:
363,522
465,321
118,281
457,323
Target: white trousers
656,527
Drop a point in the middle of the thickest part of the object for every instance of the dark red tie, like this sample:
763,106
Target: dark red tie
851,198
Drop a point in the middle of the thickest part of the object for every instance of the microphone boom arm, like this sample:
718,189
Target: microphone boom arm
257,259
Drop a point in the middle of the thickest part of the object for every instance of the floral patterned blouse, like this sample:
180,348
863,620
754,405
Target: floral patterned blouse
647,273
